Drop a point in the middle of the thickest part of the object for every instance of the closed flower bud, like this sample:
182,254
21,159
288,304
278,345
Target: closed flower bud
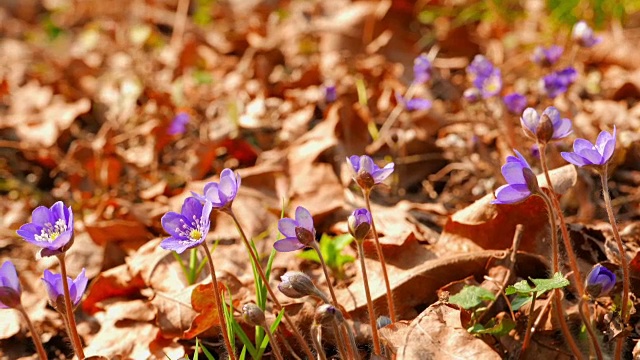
544,132
296,284
10,289
599,282
383,321
360,224
253,315
531,180
326,314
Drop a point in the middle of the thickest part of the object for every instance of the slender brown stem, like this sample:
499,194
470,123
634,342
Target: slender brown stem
73,332
557,301
623,261
573,263
587,320
339,340
372,314
219,300
383,263
352,340
274,342
316,337
527,334
34,335
279,307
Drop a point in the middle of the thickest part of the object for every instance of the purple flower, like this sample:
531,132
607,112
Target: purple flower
10,288
534,125
583,35
547,56
330,94
515,102
480,67
360,223
221,194
600,281
413,104
490,85
50,228
588,154
179,124
188,229
299,233
366,173
558,82
421,69
519,178
55,289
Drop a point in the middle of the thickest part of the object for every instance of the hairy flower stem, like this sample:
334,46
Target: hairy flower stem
339,336
73,331
316,337
219,300
352,340
573,263
274,342
527,334
623,261
339,339
372,314
392,309
587,320
279,306
34,335
557,299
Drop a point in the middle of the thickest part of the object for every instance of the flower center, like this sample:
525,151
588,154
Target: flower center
50,233
192,231
195,234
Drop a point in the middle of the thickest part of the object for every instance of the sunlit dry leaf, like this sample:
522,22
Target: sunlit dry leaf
113,283
174,312
10,324
203,301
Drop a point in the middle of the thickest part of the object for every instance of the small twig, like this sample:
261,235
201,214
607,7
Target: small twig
528,333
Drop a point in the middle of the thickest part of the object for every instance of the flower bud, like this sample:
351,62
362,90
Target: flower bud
599,282
253,315
296,284
10,289
472,95
544,132
365,180
531,180
326,314
360,224
305,236
383,321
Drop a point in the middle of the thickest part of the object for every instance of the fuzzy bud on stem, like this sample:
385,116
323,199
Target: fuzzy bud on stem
253,315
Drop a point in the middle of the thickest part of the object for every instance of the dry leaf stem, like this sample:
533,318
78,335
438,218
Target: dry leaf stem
279,306
372,314
383,263
623,261
529,332
34,335
73,331
216,292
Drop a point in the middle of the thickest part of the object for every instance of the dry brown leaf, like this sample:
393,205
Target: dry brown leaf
113,283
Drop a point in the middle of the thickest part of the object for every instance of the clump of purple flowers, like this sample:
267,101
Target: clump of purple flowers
189,228
587,154
515,102
583,35
485,76
520,181
299,232
558,82
547,56
50,228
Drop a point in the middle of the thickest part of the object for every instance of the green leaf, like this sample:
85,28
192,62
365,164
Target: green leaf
541,285
342,241
471,296
491,328
519,301
309,255
208,354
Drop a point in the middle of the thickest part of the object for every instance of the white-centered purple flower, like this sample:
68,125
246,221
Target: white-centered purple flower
587,154
583,35
421,69
10,289
366,173
518,174
360,223
179,123
484,76
55,289
299,232
547,56
50,228
189,228
534,124
515,102
221,194
558,82
600,281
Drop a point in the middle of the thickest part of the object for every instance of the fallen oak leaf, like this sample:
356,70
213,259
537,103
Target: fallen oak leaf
203,301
